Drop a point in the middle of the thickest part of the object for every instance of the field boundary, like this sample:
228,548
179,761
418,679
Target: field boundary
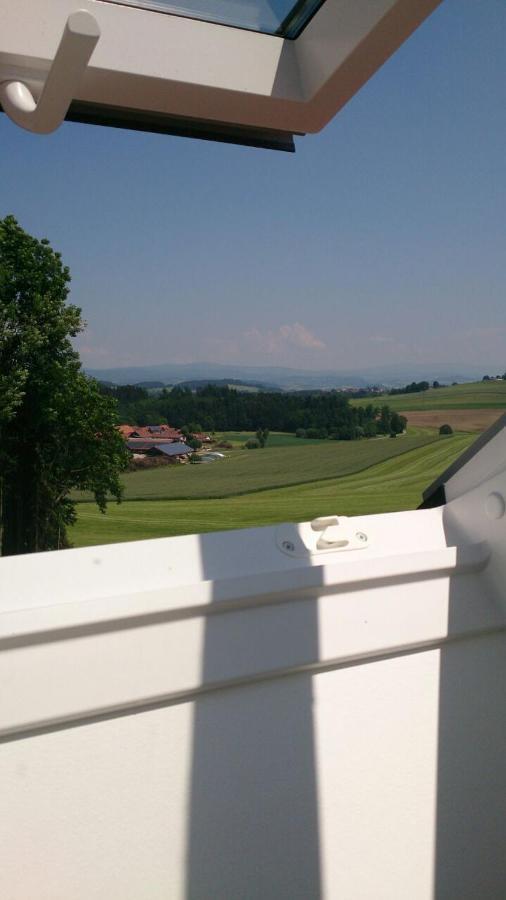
275,487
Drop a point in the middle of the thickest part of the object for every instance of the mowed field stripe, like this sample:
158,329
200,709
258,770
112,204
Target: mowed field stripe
392,485
245,471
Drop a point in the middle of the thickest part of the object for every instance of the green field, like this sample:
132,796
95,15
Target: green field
391,485
244,471
275,439
291,479
476,395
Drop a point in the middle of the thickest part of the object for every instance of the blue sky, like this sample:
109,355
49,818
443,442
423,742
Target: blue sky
382,240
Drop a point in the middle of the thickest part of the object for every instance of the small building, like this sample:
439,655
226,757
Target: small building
139,446
150,432
175,452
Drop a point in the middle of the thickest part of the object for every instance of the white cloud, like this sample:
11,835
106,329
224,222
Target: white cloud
283,338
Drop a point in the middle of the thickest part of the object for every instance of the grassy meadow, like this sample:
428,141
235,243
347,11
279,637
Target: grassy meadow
378,483
276,439
475,395
278,464
295,479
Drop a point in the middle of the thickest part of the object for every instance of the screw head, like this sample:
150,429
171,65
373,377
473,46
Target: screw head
495,506
360,536
288,545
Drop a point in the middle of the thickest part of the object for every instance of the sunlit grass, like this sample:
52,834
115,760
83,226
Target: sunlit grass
476,395
244,471
391,485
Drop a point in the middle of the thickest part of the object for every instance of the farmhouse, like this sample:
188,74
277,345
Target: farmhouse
203,437
174,451
158,433
151,432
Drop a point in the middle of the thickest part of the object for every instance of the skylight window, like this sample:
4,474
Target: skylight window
280,17
251,72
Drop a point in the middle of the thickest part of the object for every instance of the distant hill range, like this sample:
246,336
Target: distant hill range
235,383
278,377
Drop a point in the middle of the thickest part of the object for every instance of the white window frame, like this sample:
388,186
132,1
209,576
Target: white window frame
153,68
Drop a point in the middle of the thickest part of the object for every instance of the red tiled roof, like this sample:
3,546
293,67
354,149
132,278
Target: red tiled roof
146,432
126,430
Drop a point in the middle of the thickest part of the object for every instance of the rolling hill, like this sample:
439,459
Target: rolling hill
473,395
391,485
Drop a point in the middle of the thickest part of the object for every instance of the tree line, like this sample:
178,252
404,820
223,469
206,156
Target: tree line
416,387
215,408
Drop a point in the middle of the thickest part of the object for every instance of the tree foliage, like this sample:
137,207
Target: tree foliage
415,387
262,436
315,415
57,429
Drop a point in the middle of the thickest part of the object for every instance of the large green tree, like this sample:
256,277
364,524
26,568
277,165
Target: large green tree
57,430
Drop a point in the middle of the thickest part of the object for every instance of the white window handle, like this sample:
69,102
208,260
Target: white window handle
44,115
323,535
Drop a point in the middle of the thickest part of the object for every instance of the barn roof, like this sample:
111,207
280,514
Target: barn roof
175,449
140,445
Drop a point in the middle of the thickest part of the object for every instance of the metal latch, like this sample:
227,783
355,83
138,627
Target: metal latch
324,534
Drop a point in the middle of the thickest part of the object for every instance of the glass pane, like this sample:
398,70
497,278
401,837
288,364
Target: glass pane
282,17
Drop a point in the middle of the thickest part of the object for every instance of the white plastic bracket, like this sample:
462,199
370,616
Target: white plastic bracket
44,115
326,534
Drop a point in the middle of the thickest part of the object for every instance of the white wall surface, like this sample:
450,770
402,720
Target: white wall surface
209,717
